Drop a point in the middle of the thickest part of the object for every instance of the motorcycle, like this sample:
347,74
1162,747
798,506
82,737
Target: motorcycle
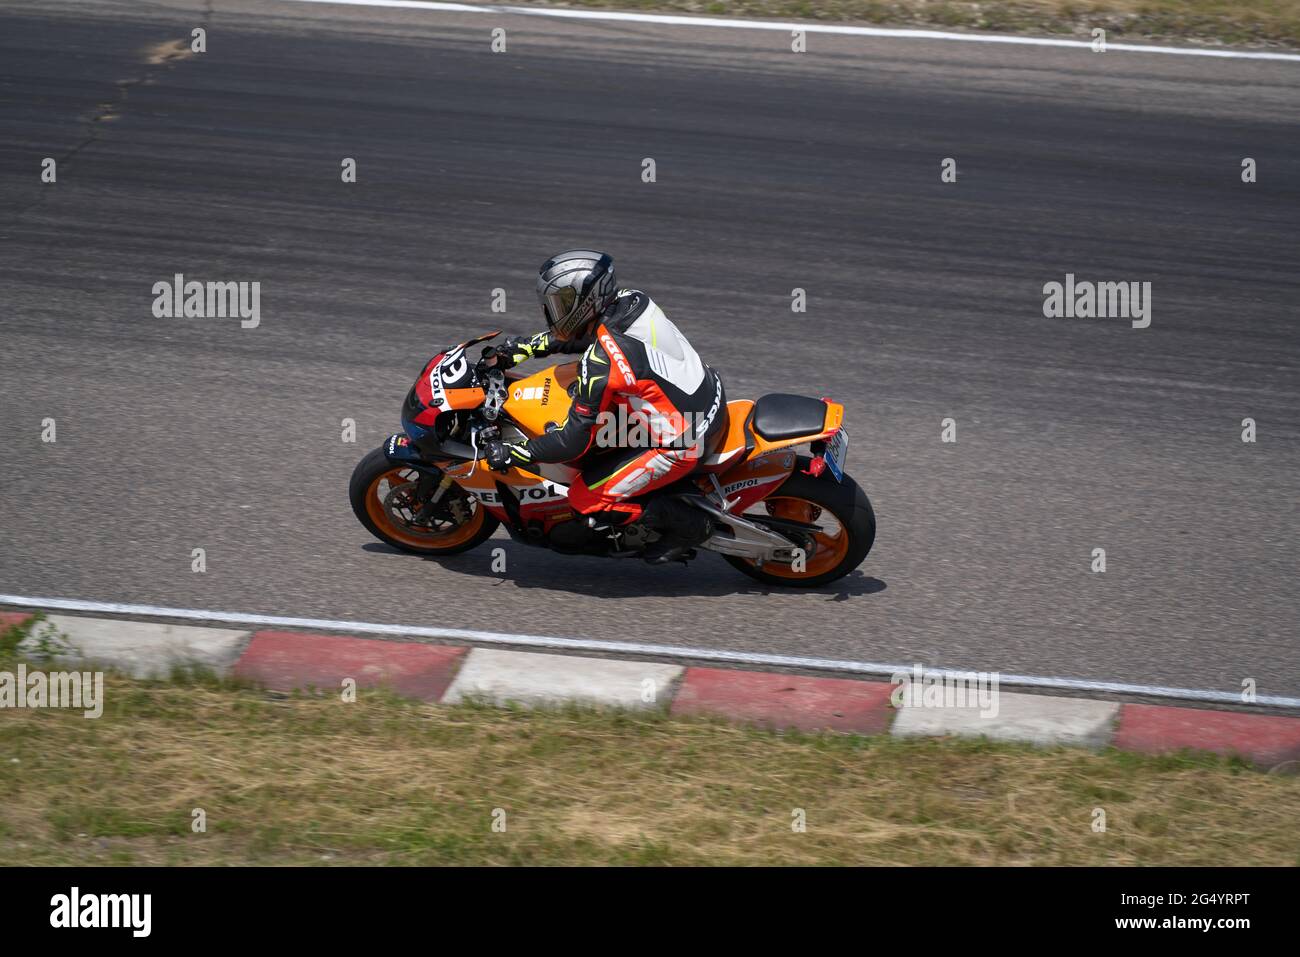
780,517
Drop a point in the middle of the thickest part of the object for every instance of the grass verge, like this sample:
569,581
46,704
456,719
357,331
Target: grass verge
307,779
1256,22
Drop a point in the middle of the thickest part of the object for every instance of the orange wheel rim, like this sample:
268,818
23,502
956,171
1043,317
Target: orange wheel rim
830,545
407,533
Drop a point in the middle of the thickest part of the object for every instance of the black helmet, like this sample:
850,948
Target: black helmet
574,288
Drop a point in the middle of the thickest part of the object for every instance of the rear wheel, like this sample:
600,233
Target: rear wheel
384,499
845,528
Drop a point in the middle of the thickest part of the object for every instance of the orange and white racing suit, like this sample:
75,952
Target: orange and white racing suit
645,409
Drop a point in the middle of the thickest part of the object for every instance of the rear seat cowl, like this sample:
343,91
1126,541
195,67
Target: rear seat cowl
779,416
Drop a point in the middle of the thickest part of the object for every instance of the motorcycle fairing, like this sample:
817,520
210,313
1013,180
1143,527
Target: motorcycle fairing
535,401
447,382
540,499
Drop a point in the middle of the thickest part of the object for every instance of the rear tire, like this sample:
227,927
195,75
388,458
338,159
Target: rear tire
846,502
365,491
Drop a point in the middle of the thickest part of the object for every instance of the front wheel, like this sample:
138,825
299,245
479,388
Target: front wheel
845,528
385,500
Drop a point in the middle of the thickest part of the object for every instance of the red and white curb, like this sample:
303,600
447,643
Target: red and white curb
287,661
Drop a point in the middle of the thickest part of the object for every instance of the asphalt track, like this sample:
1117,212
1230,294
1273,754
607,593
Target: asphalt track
775,170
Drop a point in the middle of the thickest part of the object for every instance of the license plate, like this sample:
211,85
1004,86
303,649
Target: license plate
836,450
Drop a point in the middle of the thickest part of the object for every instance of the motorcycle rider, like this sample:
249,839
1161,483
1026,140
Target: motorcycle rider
636,366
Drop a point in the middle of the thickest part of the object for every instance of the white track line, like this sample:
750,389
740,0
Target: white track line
729,24
626,647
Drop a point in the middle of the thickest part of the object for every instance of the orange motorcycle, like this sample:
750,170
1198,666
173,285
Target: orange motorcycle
781,517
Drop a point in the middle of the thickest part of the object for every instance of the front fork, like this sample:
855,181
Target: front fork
429,492
433,483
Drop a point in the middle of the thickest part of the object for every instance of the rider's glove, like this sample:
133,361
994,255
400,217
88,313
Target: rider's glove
506,357
501,456
510,353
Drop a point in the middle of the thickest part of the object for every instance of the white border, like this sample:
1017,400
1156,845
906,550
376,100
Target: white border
730,24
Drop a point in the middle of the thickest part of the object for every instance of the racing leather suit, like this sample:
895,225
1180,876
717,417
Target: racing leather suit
644,411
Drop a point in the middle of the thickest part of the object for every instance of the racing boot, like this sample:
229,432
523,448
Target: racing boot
680,527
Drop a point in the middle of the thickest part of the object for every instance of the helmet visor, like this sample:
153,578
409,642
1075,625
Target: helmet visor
559,305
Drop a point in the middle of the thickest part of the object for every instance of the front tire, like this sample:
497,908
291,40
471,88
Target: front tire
382,496
812,499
